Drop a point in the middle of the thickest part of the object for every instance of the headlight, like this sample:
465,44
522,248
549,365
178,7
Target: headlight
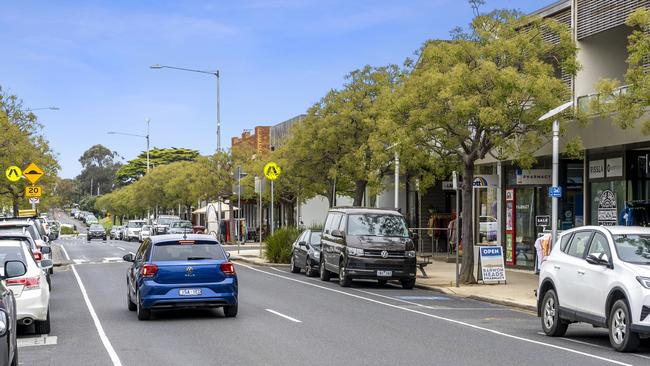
3,323
355,251
644,281
316,255
409,254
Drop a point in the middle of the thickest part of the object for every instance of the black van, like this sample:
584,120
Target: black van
365,243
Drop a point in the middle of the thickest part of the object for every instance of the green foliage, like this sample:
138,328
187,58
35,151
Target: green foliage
66,230
279,245
99,168
137,168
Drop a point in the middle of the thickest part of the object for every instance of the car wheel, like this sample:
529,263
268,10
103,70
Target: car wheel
344,278
325,275
408,284
130,304
143,314
552,325
230,311
622,338
293,267
382,282
43,326
309,270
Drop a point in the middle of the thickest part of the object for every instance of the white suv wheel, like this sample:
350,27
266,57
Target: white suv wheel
618,326
549,312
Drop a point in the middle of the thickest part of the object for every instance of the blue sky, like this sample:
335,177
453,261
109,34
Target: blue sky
276,57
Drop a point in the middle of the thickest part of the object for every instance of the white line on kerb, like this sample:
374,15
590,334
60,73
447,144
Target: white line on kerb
442,318
284,316
100,330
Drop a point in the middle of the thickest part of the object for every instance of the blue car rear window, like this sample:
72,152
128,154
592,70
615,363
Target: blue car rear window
184,250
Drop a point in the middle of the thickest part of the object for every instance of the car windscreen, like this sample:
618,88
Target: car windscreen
633,248
182,250
96,227
165,220
11,250
135,224
181,224
377,225
315,238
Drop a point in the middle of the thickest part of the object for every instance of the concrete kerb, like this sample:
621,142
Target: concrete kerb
257,262
448,291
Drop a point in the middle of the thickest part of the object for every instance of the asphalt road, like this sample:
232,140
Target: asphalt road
288,319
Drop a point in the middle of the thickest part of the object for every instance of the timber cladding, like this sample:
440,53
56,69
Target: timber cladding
595,16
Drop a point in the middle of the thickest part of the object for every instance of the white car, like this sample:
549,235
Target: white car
601,276
31,290
145,232
133,230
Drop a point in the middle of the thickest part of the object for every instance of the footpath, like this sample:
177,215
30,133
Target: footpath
518,292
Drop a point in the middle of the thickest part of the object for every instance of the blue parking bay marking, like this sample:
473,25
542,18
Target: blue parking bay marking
422,298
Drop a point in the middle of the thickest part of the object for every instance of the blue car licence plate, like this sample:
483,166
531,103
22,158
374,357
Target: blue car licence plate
189,292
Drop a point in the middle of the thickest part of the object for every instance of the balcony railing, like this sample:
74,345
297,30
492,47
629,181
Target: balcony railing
584,102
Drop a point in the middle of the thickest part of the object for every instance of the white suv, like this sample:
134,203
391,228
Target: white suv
601,276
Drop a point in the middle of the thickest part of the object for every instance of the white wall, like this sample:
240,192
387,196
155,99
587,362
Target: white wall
314,210
386,199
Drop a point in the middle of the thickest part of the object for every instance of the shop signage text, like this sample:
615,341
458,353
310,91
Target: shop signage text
482,181
543,220
614,167
492,266
596,169
534,176
607,208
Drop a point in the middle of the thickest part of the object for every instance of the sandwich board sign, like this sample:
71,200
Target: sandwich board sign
492,266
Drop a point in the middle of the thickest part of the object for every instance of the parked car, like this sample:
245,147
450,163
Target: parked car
90,219
30,227
305,254
31,289
601,276
180,227
162,223
9,313
363,243
55,229
96,231
145,233
133,228
178,271
115,232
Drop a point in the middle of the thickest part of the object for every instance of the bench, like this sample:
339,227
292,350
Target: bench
423,261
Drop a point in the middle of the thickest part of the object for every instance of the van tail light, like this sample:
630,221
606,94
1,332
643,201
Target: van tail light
38,256
29,282
228,268
149,270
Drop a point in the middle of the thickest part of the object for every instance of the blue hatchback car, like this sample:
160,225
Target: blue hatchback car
181,271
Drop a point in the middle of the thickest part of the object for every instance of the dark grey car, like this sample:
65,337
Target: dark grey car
363,243
305,254
96,231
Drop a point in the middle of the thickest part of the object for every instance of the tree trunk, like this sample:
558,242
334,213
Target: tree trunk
359,191
467,236
15,202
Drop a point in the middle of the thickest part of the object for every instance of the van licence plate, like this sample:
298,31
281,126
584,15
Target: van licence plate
384,273
189,292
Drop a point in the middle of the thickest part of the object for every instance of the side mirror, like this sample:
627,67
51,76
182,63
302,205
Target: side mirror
46,249
46,239
128,257
14,269
338,233
46,263
598,259
302,244
228,255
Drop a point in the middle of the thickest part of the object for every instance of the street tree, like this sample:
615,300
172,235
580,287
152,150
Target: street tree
136,168
482,93
99,166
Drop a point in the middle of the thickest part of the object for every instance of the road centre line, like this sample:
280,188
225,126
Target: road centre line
284,316
120,248
458,322
100,330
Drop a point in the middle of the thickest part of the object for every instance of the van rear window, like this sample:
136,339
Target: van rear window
182,250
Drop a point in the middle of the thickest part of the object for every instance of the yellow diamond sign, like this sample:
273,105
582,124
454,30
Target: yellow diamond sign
33,173
13,173
272,171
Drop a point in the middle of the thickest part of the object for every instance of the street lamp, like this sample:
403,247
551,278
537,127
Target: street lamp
396,161
215,73
135,135
42,108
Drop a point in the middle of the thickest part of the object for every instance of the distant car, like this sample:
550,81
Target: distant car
55,229
180,227
145,233
133,230
162,223
9,312
115,232
31,290
91,219
96,231
305,254
178,271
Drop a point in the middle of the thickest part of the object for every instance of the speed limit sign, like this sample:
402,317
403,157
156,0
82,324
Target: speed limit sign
33,191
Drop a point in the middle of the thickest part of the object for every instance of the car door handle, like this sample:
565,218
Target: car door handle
581,272
556,266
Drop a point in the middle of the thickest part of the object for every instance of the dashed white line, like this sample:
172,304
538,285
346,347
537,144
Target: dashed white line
283,316
120,248
100,330
454,321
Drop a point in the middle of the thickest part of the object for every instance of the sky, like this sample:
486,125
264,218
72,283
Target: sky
276,58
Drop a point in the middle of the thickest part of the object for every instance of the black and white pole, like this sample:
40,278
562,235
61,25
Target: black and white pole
272,222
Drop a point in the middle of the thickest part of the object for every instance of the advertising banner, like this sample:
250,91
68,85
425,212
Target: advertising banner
492,266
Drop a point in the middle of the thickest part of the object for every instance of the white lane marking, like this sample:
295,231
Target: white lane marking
594,345
284,316
120,248
112,259
100,330
44,340
570,350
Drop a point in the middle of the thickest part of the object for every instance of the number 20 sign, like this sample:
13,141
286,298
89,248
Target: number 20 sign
33,191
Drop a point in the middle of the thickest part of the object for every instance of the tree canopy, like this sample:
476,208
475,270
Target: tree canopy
137,168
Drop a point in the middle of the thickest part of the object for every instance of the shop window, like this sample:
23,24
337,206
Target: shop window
597,189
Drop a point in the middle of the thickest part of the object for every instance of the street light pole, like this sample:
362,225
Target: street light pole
396,179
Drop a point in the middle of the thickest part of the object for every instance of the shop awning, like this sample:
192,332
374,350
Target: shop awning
224,208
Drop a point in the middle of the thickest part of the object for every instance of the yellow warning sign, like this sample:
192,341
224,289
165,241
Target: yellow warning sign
272,171
33,191
13,173
33,173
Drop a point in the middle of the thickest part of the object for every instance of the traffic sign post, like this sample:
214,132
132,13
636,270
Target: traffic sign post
555,192
34,200
33,173
272,172
13,173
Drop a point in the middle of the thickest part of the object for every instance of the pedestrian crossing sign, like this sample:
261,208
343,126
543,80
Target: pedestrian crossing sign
272,171
13,173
